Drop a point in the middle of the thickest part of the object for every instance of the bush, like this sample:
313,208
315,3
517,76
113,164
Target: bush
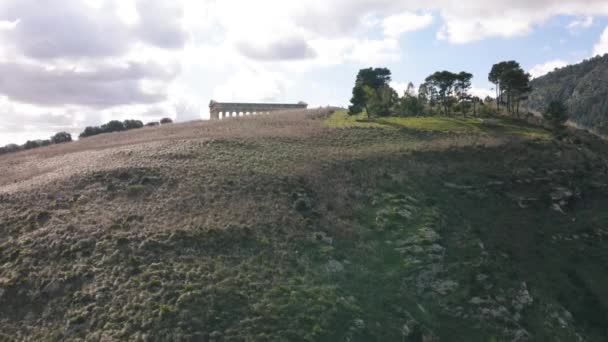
133,124
31,144
556,114
113,126
61,138
10,148
90,131
152,124
166,121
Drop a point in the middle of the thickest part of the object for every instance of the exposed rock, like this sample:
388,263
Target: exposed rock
334,266
523,298
445,287
457,186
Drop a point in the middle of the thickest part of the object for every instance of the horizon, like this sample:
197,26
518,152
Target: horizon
171,58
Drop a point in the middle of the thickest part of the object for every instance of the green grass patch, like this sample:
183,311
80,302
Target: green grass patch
458,125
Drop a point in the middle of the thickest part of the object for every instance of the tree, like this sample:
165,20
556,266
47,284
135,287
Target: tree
31,144
410,90
113,126
511,82
61,137
516,85
462,86
476,100
165,121
423,93
411,104
381,101
90,131
370,85
556,114
133,124
495,76
442,84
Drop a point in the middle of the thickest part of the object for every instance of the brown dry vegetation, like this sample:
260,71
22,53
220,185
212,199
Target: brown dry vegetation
279,228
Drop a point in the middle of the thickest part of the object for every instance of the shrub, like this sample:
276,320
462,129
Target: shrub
10,148
46,142
113,126
90,131
30,144
133,124
556,114
152,124
166,121
61,138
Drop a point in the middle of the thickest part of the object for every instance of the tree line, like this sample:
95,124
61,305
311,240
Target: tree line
65,137
59,138
445,93
120,126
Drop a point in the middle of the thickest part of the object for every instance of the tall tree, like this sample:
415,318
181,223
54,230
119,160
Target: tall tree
515,84
369,84
410,90
496,74
556,114
423,93
443,84
462,86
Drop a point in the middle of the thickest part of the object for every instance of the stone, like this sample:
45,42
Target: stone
334,266
561,194
489,122
436,249
445,287
523,298
359,323
476,301
482,277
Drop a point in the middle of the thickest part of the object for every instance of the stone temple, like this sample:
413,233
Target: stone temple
229,109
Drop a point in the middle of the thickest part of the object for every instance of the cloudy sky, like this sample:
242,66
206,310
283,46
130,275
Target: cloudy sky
66,64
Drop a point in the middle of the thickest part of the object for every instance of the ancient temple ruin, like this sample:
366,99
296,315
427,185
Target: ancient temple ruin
222,110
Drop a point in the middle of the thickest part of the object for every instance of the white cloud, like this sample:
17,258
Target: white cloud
375,52
581,23
482,93
399,87
395,25
601,47
545,68
229,50
252,85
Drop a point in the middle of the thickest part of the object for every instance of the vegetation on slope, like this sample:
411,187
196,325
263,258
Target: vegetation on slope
289,228
584,89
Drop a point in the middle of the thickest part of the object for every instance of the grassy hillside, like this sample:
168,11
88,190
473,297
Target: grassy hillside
584,89
294,227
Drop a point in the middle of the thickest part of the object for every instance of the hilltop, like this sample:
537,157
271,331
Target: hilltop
308,226
584,89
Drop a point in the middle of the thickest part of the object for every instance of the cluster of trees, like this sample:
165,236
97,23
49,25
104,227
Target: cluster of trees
59,138
439,93
448,89
119,126
512,85
65,137
447,93
373,93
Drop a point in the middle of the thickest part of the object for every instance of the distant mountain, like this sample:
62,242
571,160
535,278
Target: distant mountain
584,89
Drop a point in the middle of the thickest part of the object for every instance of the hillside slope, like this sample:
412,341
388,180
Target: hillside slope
294,228
584,89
